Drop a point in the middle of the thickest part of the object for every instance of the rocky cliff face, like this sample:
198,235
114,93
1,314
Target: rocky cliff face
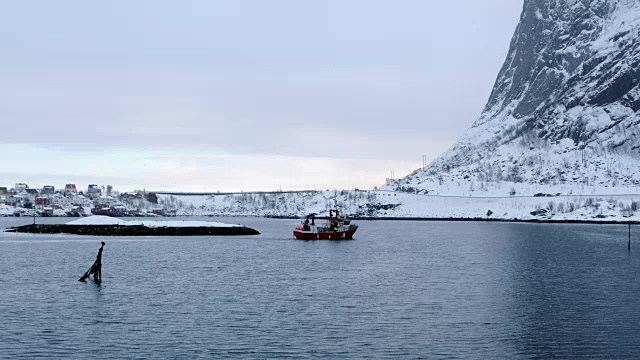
563,114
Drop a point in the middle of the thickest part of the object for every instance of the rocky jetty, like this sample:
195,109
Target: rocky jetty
135,230
106,226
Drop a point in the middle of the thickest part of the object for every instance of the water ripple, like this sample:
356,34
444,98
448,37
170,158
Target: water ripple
400,290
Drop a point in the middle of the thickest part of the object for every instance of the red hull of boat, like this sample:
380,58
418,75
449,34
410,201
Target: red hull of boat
334,235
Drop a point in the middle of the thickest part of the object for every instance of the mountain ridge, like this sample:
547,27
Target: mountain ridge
563,113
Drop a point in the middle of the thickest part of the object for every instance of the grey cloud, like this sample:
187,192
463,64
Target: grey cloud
328,78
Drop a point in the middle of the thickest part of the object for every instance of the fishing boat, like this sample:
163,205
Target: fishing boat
336,228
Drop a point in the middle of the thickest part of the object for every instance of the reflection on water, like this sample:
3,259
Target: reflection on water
401,289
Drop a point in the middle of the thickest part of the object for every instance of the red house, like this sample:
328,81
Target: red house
109,210
70,188
44,201
132,196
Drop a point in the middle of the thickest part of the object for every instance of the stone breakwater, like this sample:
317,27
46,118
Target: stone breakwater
134,230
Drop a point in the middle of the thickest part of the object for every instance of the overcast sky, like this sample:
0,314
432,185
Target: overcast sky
241,95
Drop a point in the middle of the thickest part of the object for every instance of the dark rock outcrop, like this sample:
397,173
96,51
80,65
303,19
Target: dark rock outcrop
133,230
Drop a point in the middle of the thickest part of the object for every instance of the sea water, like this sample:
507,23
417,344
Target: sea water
400,289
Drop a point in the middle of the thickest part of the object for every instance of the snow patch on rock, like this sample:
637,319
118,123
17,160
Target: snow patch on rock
106,220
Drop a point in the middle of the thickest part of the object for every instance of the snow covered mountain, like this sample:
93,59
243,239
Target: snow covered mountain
563,114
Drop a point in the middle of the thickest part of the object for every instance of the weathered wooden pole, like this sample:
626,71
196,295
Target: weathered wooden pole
629,244
95,269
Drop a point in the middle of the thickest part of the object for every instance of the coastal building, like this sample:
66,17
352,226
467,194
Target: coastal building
93,189
105,200
32,194
109,210
78,210
23,199
20,187
11,200
132,196
81,200
70,188
3,198
43,201
4,191
119,209
60,200
48,190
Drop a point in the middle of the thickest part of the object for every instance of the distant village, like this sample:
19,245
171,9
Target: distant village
21,200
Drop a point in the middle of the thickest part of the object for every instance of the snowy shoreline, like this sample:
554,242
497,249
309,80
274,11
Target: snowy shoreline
529,221
106,220
386,205
389,205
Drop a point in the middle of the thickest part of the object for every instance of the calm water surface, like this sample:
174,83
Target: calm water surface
400,290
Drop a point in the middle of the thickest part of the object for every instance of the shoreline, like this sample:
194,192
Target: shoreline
454,219
535,221
603,221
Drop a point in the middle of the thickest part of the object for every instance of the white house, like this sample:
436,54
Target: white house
21,198
28,195
21,187
105,200
70,188
60,200
81,200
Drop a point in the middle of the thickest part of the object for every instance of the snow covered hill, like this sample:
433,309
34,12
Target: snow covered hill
563,115
387,204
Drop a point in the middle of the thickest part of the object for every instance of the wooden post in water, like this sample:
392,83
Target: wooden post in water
95,269
629,244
